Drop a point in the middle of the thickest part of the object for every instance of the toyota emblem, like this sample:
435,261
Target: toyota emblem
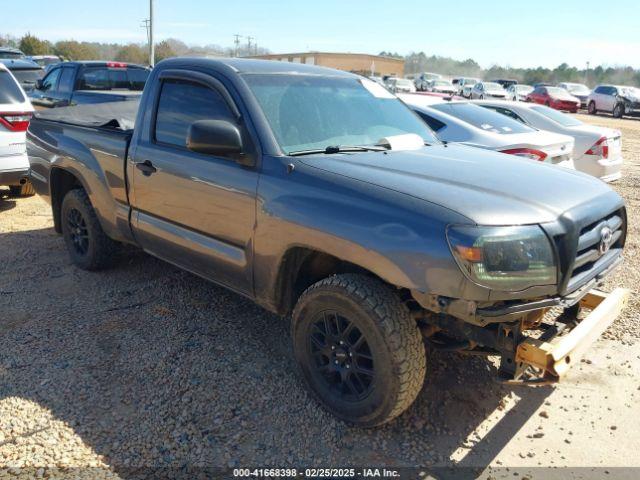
606,236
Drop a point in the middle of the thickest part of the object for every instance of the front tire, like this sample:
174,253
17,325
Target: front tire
618,110
88,245
591,108
359,350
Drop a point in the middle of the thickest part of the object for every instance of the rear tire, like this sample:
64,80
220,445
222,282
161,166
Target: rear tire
591,108
88,245
24,190
359,350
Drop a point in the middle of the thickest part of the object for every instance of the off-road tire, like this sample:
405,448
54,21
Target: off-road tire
24,190
396,346
100,249
618,110
591,108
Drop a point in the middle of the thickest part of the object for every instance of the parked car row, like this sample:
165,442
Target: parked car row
66,83
525,129
617,100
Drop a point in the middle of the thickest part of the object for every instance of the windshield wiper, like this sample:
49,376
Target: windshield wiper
340,149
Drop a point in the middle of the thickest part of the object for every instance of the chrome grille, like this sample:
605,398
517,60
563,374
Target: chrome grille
598,244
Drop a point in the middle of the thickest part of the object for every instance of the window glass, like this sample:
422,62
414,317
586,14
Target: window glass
600,90
137,78
487,120
105,78
309,112
505,111
435,124
181,104
9,89
11,54
66,80
51,80
556,116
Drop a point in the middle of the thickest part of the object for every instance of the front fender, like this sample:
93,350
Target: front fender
399,238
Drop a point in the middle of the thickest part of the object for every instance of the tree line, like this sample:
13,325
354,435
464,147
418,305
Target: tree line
414,62
131,52
619,75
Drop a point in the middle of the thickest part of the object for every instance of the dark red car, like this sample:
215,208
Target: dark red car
554,97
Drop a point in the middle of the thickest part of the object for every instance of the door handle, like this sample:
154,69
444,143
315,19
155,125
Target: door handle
146,167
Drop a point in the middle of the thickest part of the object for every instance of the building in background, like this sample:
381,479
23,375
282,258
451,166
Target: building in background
362,64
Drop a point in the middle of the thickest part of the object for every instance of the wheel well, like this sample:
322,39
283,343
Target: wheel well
301,268
61,183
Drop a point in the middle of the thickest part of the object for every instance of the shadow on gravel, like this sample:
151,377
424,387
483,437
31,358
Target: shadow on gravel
155,368
6,203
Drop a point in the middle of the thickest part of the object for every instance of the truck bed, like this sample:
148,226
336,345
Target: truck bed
87,138
114,115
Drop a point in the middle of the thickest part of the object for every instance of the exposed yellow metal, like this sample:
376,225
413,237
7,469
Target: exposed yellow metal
555,357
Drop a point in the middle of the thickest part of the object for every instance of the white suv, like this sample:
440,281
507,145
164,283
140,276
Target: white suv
15,115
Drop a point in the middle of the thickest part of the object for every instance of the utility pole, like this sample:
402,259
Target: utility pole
586,74
236,41
152,53
255,49
145,25
249,38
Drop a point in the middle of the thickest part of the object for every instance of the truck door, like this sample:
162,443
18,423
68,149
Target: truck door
192,209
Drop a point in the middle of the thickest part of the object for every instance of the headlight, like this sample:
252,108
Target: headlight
504,258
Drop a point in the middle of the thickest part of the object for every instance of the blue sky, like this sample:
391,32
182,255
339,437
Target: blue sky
537,32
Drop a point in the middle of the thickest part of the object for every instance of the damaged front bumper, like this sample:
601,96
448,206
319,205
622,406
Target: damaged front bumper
552,358
527,359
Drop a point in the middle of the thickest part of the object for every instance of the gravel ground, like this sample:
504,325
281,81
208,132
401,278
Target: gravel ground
111,374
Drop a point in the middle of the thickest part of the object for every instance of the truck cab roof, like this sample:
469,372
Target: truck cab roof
250,65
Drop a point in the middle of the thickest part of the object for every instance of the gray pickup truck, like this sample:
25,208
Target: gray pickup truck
323,198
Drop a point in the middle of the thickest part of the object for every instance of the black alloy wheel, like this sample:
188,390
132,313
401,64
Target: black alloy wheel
342,358
78,231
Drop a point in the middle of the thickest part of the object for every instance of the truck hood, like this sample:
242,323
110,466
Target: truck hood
488,188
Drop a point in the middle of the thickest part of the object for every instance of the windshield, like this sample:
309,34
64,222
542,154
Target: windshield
558,92
492,86
487,120
577,88
556,116
313,112
28,76
43,62
10,54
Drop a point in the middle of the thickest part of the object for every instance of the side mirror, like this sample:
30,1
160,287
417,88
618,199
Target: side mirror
214,137
39,84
